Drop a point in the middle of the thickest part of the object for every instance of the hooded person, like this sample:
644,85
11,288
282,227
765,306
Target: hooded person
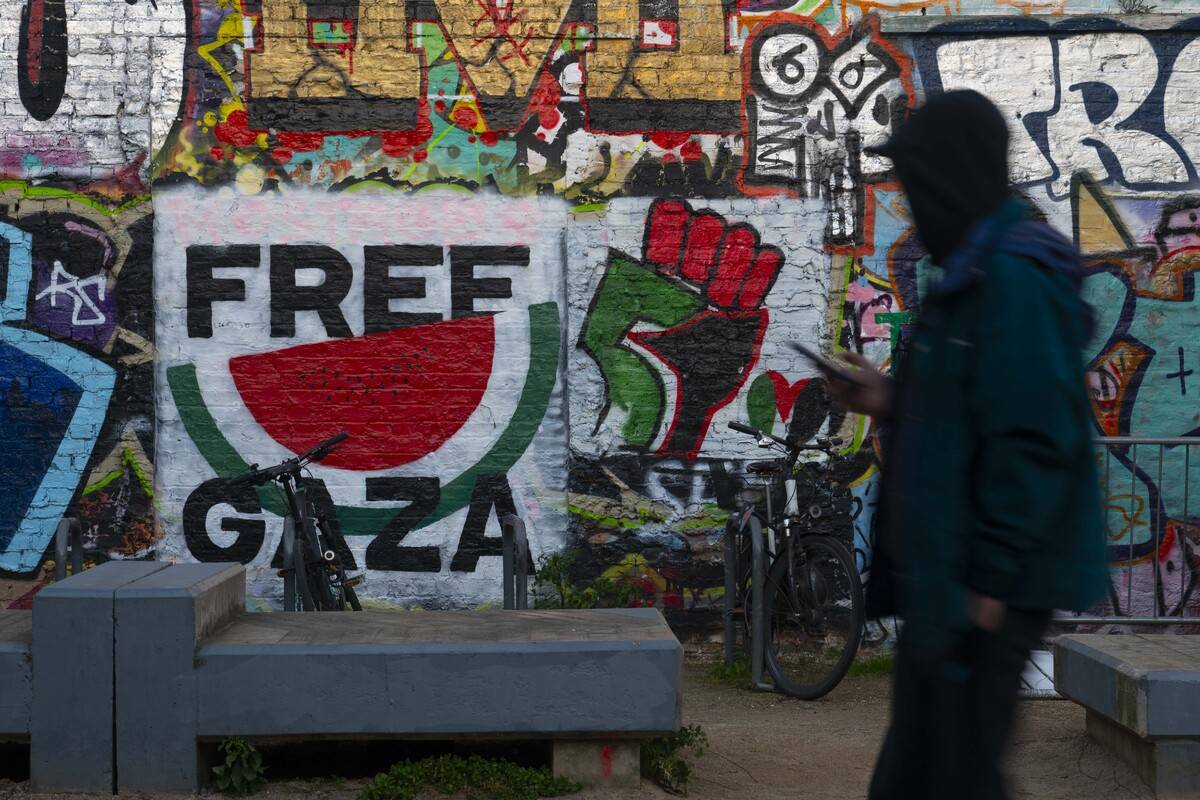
990,512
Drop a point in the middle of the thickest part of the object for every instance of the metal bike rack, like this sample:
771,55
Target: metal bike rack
759,555
758,623
68,532
515,556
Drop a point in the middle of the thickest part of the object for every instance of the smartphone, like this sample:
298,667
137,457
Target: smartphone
827,367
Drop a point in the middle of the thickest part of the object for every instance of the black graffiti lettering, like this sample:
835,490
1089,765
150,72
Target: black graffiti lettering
42,57
491,491
465,288
385,552
287,297
250,532
380,287
203,289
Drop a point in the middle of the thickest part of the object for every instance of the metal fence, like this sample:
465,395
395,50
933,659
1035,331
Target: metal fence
1152,542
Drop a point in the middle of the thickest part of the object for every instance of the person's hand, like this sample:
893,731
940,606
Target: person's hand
872,397
986,612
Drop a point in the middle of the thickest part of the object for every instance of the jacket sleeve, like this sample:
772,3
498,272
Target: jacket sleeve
1026,421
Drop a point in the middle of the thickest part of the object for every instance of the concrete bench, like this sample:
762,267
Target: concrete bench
192,667
71,726
16,674
1142,695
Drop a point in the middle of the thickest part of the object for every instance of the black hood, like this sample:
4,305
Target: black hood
951,157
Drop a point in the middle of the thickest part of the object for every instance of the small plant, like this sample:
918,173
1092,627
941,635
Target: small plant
1135,6
879,663
663,759
242,773
473,776
736,673
553,587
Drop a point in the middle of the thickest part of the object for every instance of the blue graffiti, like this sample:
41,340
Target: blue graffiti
55,403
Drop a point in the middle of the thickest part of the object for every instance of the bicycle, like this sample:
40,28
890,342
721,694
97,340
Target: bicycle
314,577
812,598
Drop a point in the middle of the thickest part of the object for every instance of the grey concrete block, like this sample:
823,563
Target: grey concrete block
159,621
16,673
1167,766
609,764
1149,684
539,674
71,731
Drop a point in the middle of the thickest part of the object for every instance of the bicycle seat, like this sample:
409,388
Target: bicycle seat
765,467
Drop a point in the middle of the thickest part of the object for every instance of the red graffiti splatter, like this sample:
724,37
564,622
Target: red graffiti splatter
606,762
545,100
398,144
235,130
669,140
400,394
691,151
786,393
490,138
465,118
301,141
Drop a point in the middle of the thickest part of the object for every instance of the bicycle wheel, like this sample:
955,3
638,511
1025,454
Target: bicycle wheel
814,605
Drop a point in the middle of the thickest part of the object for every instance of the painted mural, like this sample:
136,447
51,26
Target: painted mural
534,255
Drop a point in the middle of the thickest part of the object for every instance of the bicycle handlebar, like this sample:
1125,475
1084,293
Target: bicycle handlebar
258,477
823,444
320,451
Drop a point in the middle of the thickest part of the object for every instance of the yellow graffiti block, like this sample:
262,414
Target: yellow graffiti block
700,60
341,80
691,64
503,44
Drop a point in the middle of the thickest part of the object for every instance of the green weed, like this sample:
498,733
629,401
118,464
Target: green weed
473,776
878,663
554,588
663,759
242,771
736,674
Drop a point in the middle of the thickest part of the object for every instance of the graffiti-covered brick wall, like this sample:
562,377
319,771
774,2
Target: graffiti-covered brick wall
533,256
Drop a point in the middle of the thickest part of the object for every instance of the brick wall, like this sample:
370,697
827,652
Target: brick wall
533,256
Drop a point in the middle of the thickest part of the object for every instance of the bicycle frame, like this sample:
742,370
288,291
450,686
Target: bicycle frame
763,551
298,512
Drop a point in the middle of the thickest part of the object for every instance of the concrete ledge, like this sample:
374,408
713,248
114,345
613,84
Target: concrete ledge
612,765
71,729
1149,684
1168,766
1142,695
16,674
536,674
160,620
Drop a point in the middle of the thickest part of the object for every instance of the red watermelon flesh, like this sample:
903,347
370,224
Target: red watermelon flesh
400,394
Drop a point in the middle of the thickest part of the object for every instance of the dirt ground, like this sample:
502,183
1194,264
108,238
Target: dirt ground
765,746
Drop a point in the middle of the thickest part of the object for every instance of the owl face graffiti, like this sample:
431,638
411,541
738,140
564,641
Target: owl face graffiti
813,104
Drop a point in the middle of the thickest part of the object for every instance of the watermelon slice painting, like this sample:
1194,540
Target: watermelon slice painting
400,394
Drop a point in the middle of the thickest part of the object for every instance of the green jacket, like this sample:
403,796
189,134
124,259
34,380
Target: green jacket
990,481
